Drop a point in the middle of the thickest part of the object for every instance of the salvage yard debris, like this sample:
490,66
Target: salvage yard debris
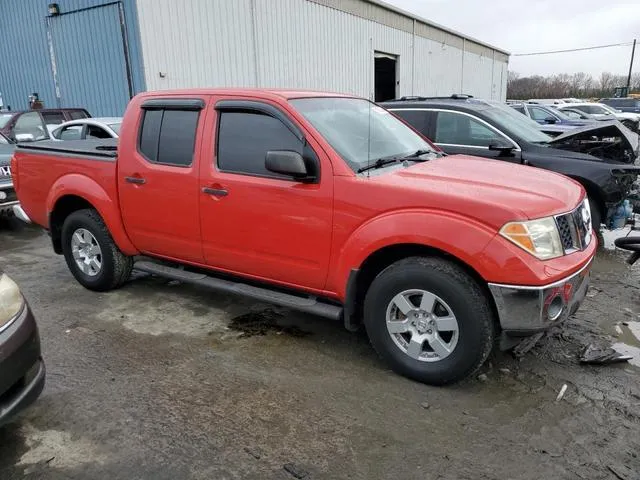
593,355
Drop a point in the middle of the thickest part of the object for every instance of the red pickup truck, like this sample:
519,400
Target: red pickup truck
323,203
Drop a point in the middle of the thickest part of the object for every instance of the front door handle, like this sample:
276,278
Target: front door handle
216,192
135,180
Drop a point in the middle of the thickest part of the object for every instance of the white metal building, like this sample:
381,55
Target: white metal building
361,47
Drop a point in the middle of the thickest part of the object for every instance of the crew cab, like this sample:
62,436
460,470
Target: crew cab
323,203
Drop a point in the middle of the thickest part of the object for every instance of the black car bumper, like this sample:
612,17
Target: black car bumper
22,371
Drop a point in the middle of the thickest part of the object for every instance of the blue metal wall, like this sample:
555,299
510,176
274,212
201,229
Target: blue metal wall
87,47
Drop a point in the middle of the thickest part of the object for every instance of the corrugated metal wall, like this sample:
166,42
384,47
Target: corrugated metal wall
85,45
302,44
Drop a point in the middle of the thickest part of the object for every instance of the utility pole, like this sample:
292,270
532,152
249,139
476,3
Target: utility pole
633,51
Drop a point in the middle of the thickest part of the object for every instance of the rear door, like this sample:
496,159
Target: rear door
158,180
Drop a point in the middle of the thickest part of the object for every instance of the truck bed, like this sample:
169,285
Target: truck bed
74,165
95,148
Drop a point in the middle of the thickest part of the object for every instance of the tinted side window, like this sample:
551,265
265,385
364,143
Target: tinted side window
149,134
538,113
77,114
73,132
169,136
416,118
457,129
520,109
53,118
96,132
244,138
178,137
31,124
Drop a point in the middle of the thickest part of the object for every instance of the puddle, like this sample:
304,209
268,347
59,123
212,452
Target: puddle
629,342
263,322
625,349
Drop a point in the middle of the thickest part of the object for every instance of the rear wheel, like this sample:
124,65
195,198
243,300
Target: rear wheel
91,254
429,320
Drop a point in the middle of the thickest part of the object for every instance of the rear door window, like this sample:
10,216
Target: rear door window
77,114
71,132
93,131
168,136
53,118
416,118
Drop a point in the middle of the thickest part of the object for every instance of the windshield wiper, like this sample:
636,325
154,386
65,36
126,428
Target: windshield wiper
418,153
379,163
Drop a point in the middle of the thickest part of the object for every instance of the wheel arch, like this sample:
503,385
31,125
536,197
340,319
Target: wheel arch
76,192
360,279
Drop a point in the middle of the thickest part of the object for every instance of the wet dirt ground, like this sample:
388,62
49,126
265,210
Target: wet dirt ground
160,380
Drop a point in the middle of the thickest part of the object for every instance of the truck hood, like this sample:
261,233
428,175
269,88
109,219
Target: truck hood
491,191
608,141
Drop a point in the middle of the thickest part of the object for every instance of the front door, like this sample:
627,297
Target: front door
461,133
255,222
158,180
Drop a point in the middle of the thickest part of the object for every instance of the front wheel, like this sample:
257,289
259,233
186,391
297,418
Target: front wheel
91,254
429,319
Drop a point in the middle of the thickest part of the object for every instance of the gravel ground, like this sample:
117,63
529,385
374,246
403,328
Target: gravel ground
160,380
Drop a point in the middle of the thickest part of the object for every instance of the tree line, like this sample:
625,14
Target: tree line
563,85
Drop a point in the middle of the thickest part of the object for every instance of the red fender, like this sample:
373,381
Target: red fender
454,234
89,190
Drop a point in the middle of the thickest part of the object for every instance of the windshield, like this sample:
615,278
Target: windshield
560,114
608,108
4,119
515,123
3,140
360,131
115,127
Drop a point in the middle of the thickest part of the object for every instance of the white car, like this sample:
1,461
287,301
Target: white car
105,127
601,111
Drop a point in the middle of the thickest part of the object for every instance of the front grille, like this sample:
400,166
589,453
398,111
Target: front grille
575,229
11,196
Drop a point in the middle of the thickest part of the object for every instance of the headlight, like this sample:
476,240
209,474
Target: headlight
538,237
11,300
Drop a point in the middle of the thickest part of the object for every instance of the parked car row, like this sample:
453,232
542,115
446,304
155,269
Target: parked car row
465,125
36,125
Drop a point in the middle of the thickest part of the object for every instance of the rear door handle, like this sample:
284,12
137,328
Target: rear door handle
135,180
216,192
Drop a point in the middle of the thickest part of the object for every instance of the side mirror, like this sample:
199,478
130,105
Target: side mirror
550,120
501,146
289,163
25,137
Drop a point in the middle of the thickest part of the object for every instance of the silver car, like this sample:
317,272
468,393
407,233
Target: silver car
94,128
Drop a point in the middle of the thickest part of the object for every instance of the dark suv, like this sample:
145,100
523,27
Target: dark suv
631,105
31,125
600,156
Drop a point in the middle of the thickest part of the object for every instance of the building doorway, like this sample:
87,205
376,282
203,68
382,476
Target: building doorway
385,76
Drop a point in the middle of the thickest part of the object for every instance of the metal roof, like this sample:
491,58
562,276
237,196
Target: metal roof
363,9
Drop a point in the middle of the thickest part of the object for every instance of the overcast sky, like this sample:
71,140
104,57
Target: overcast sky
522,26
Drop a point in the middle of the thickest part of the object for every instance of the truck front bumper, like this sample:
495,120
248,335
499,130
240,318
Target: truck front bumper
526,310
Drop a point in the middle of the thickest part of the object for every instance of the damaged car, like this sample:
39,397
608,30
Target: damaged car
601,157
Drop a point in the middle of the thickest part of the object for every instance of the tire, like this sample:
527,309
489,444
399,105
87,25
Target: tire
456,293
115,267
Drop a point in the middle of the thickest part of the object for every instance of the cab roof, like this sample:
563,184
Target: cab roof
286,94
